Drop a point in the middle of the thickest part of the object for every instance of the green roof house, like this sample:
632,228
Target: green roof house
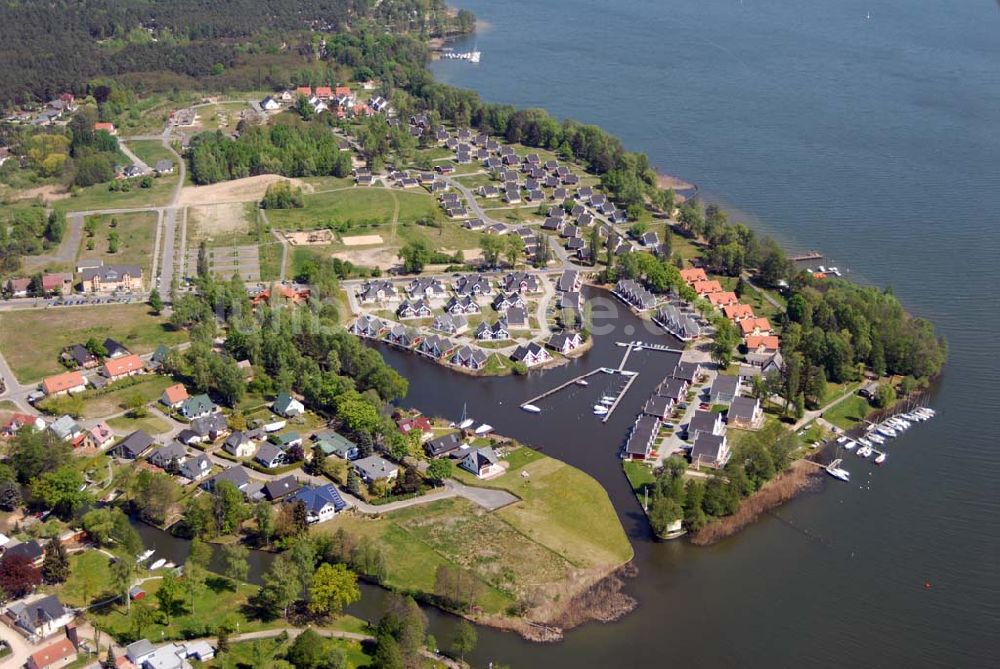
198,406
287,406
332,443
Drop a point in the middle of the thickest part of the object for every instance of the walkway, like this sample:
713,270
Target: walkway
136,160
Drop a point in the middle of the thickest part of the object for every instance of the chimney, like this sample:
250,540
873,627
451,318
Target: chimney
73,635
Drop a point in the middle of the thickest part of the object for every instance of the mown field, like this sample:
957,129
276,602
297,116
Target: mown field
564,523
31,340
355,205
136,239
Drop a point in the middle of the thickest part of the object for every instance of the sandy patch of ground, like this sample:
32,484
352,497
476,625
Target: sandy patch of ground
48,193
310,238
362,240
239,190
382,258
218,219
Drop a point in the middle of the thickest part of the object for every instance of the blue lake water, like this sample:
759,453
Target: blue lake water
870,131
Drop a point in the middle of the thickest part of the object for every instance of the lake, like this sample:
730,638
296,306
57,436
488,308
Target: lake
870,131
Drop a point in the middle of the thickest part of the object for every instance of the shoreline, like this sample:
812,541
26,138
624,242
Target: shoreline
786,486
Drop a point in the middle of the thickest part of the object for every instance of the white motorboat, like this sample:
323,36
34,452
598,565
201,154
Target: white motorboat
484,428
156,565
582,382
876,438
850,444
836,471
599,410
607,401
864,442
880,458
531,408
626,372
637,347
145,556
609,398
864,451
886,430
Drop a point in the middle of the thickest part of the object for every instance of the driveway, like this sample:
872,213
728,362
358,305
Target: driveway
18,644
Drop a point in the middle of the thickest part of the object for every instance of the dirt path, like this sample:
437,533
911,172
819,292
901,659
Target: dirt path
395,217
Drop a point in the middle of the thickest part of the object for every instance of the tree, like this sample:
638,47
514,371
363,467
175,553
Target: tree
62,491
304,108
18,576
155,302
491,246
203,265
663,512
333,588
122,573
440,469
55,566
222,640
387,653
415,255
278,590
55,228
34,453
514,249
170,596
726,339
113,241
236,567
465,638
264,516
10,495
885,395
312,651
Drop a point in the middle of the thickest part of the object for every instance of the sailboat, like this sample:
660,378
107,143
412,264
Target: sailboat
465,422
836,471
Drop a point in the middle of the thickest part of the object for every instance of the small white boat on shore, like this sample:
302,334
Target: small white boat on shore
156,565
145,556
466,424
484,428
531,408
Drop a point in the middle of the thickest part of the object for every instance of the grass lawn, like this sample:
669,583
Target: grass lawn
215,604
243,654
849,412
328,183
136,238
99,197
375,205
89,580
456,532
151,424
270,261
450,236
49,331
151,150
563,509
638,475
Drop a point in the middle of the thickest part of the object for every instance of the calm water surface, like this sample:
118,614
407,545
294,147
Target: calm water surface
876,140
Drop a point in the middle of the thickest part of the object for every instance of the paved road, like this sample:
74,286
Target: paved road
167,266
68,248
136,160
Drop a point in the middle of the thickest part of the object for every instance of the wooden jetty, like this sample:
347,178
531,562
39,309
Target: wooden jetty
553,391
811,255
628,384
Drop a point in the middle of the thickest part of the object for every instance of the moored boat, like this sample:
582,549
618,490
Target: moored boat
836,471
145,556
880,458
582,382
484,428
156,565
531,408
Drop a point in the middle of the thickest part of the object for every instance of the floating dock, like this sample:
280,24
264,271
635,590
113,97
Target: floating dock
628,384
553,391
811,255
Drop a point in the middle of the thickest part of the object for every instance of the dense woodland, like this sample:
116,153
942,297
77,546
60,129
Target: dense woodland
51,47
291,148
